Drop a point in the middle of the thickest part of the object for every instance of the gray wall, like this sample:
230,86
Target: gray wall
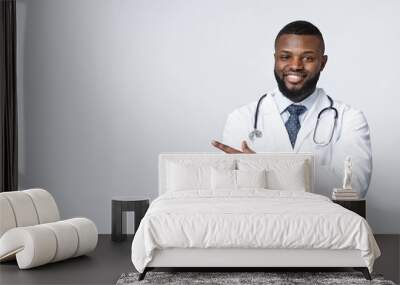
105,86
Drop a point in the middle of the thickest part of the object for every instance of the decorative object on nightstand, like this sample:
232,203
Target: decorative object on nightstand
357,206
122,204
346,192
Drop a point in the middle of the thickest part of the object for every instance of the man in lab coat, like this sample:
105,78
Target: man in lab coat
288,115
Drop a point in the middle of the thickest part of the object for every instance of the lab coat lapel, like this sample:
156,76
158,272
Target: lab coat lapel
274,127
309,123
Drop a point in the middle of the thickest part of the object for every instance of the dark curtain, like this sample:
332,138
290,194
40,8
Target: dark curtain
8,92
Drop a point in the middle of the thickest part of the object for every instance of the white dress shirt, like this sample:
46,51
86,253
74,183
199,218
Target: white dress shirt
282,103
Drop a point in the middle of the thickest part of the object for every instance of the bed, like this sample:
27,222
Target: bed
245,211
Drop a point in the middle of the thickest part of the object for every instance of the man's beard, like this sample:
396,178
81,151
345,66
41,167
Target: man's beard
301,94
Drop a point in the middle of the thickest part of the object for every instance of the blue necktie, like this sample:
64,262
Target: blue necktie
293,124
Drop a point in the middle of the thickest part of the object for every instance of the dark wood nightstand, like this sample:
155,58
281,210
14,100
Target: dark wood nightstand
357,206
122,204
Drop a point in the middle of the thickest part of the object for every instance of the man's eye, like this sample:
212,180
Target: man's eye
284,57
309,58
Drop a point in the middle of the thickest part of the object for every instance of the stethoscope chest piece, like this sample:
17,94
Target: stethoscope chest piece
255,134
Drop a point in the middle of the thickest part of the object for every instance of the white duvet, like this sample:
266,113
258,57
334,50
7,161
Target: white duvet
250,218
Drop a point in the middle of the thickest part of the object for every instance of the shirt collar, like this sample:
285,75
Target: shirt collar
283,102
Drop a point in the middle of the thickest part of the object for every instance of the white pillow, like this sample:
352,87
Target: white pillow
188,177
191,174
281,174
237,179
251,178
292,178
223,179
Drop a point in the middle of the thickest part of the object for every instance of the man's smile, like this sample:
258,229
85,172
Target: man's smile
294,77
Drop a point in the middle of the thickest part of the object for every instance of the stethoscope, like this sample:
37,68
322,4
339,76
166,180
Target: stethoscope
256,133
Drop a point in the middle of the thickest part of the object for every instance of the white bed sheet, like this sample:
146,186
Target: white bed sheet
250,218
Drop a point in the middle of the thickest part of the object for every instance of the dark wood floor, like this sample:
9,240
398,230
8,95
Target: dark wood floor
110,260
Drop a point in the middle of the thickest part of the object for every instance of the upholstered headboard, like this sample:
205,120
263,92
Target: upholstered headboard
167,159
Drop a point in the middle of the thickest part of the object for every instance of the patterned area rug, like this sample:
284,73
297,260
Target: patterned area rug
275,278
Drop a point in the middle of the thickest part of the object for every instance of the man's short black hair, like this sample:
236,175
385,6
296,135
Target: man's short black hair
301,28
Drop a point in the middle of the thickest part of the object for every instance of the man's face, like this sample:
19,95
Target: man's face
299,59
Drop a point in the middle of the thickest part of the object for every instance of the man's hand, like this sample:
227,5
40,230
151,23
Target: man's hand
227,149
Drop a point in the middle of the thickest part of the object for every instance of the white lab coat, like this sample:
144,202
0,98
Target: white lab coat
351,138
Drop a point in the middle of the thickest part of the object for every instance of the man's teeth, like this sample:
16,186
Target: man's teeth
294,78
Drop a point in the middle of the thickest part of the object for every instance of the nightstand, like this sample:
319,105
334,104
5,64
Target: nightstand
357,206
122,204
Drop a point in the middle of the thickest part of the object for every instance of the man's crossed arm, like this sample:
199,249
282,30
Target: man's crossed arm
227,149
